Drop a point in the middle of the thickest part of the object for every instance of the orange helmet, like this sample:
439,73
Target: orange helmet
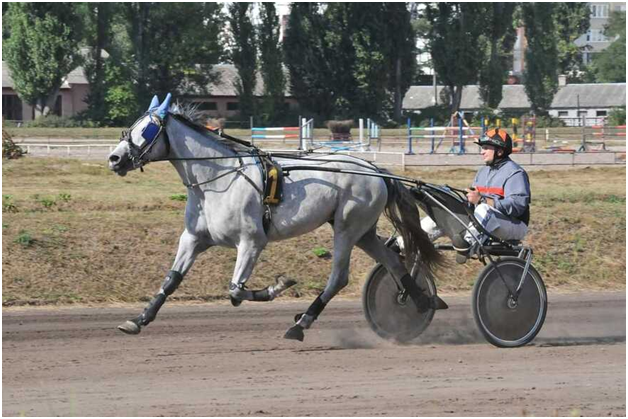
498,138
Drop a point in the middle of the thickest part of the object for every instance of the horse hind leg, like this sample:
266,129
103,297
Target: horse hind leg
377,250
338,279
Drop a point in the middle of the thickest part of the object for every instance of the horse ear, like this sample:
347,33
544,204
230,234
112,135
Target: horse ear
165,105
154,103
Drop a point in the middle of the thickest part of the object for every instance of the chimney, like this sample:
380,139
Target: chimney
562,80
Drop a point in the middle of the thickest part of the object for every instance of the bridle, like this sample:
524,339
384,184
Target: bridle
150,134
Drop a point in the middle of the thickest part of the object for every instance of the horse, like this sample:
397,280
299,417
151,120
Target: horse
226,207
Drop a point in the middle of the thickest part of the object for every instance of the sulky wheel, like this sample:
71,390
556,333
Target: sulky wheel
390,313
504,321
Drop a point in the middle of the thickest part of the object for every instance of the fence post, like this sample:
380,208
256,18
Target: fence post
432,134
460,133
409,138
403,162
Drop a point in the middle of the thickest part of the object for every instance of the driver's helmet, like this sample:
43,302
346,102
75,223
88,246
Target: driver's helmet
497,137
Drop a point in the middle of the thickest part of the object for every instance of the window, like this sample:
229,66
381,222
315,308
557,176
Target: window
563,114
600,113
582,113
11,108
233,106
599,10
206,106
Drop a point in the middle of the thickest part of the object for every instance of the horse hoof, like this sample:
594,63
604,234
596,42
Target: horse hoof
295,333
234,301
130,328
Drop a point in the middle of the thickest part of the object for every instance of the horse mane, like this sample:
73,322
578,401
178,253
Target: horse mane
190,116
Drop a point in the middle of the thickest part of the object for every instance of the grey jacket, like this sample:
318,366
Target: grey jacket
508,184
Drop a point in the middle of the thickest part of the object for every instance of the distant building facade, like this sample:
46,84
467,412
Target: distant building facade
218,101
594,41
69,102
571,103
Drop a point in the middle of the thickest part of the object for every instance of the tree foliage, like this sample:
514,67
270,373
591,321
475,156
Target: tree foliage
271,64
455,29
610,64
498,42
243,55
343,59
42,48
571,20
171,47
541,57
98,37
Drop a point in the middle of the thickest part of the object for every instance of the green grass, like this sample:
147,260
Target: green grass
109,239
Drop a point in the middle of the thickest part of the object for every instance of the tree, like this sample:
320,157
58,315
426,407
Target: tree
499,40
42,48
402,58
305,51
348,60
453,44
541,57
171,47
610,64
244,56
98,35
271,63
571,20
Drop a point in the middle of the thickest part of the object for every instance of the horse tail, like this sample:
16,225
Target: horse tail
403,213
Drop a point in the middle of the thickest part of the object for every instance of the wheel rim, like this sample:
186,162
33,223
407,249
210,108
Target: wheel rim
506,320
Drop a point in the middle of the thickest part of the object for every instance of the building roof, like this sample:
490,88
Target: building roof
224,87
228,76
599,95
76,76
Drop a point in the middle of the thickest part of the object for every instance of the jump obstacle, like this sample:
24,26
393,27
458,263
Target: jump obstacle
457,131
346,142
302,133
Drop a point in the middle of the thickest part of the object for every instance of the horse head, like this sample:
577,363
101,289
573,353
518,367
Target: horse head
144,141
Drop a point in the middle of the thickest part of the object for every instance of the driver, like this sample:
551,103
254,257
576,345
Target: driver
500,193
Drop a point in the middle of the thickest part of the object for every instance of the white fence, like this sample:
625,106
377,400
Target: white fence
381,158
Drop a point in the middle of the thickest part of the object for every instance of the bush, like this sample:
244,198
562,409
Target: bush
54,121
7,204
10,150
24,238
181,197
617,116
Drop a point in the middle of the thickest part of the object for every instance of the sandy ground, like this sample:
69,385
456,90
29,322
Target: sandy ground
216,360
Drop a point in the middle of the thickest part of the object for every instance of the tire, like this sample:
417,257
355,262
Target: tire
505,324
390,318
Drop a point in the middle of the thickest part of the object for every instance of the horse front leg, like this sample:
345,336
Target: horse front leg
248,253
190,246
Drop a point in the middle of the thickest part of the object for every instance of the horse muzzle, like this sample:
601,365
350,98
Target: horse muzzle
119,164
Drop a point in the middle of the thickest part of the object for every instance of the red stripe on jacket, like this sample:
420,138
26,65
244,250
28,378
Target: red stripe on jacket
491,190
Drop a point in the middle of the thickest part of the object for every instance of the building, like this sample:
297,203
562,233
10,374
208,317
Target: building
571,103
594,41
219,100
70,100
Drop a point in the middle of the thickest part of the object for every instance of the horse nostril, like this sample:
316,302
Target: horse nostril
114,158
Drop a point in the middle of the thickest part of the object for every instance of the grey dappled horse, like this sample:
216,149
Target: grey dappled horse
225,208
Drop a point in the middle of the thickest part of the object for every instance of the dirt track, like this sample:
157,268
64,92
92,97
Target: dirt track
216,360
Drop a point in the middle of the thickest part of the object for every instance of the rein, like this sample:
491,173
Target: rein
137,154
